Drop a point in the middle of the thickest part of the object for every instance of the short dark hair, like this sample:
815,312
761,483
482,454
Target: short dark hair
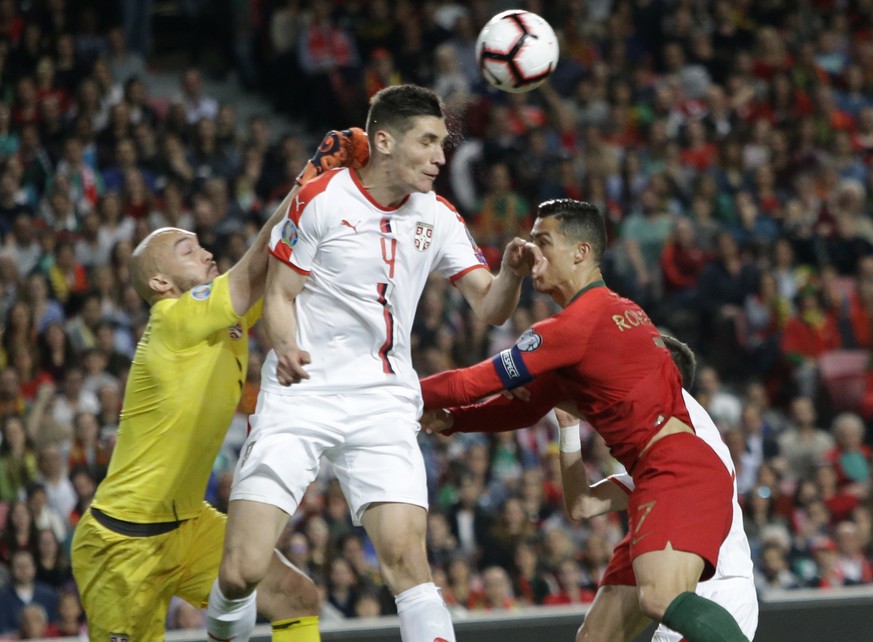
393,108
579,220
683,357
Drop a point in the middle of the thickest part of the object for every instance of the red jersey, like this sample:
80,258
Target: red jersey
602,352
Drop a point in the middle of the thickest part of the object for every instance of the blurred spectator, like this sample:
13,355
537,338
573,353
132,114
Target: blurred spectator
469,522
52,564
773,572
803,444
529,583
34,623
24,589
806,335
70,616
496,591
851,457
197,104
853,565
60,494
328,57
45,518
342,586
17,459
570,590
127,62
19,532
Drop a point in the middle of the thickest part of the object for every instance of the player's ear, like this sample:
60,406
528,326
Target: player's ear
383,142
160,284
583,249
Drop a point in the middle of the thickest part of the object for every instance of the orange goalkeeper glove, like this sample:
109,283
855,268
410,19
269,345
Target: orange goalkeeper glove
346,148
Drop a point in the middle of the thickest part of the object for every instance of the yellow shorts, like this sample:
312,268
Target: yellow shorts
126,583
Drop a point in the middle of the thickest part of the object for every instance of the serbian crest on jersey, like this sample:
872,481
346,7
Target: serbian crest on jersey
235,331
423,236
289,233
529,341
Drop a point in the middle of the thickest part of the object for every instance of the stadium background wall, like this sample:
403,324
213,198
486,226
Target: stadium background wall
815,615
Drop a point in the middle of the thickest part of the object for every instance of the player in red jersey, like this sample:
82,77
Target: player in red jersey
603,354
615,612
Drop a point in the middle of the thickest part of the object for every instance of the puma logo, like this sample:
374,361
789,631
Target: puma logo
347,224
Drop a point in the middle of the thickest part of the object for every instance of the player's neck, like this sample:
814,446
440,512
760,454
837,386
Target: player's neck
582,282
381,187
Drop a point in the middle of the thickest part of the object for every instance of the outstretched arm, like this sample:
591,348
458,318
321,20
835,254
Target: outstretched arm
498,414
493,298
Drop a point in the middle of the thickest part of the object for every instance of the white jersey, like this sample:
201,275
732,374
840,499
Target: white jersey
367,266
734,556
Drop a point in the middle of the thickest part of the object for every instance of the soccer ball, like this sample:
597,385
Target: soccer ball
517,50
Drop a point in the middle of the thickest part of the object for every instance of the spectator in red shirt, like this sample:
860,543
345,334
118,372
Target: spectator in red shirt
571,590
806,335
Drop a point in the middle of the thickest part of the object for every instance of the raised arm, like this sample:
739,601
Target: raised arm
493,298
246,278
346,148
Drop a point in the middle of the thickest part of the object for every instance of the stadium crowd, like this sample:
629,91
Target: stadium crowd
729,145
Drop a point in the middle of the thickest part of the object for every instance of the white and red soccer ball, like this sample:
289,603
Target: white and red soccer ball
517,51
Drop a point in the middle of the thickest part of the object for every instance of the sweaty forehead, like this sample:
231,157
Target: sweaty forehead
547,226
428,126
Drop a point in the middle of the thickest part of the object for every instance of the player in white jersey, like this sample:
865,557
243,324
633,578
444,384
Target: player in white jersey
353,257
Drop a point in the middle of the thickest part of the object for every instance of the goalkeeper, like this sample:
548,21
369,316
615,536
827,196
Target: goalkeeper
148,534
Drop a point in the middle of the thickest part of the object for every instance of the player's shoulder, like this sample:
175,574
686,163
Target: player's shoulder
442,207
319,185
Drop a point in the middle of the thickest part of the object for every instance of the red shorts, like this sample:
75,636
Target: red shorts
683,495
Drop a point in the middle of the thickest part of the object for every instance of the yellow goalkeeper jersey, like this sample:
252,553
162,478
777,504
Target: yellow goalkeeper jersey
184,385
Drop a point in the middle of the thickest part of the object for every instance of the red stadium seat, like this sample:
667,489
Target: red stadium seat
844,375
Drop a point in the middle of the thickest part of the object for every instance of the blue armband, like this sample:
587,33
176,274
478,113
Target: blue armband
511,369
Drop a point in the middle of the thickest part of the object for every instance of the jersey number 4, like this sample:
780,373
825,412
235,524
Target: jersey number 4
389,254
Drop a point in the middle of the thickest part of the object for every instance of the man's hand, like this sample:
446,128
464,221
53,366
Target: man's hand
522,258
289,369
346,148
565,419
521,393
437,421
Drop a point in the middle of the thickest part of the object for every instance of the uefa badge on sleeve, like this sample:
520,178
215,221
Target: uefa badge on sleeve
289,233
423,236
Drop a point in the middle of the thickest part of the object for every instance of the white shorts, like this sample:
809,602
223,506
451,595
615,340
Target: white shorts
371,440
736,594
